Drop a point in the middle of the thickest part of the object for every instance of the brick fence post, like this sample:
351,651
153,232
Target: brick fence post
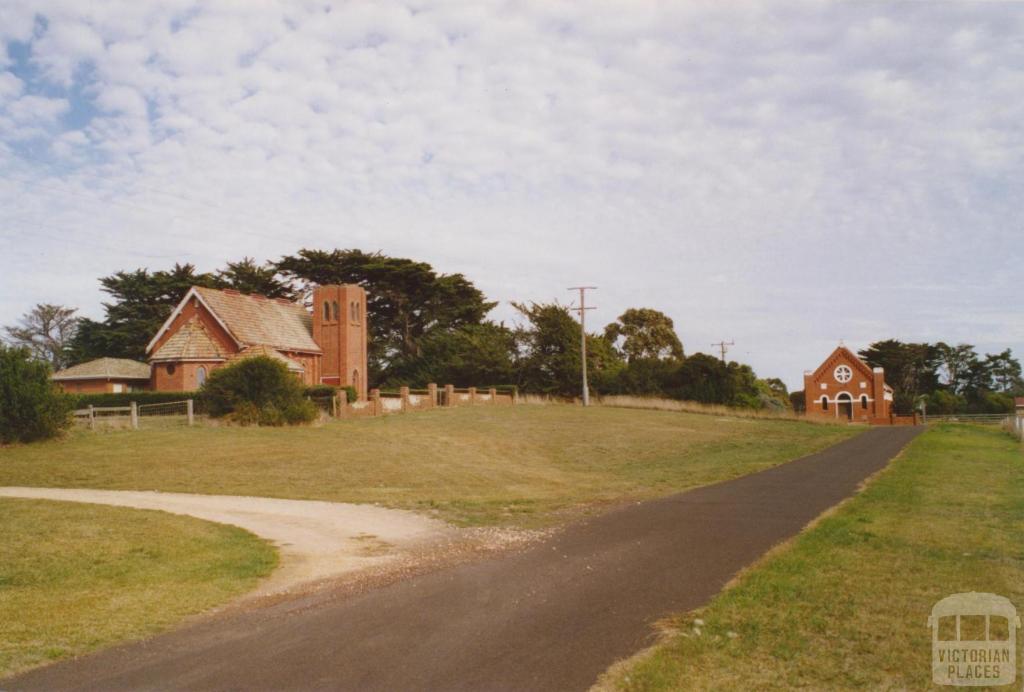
472,395
375,401
449,395
432,394
515,394
341,403
494,395
404,393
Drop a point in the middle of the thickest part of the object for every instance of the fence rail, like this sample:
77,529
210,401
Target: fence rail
129,416
981,418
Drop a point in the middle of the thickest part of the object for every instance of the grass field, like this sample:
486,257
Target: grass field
472,465
846,604
76,577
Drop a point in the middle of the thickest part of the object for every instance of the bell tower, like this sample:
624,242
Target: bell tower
339,329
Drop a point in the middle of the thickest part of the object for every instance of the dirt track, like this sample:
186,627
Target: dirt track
554,616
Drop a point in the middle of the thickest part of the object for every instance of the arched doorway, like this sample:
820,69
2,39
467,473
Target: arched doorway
844,406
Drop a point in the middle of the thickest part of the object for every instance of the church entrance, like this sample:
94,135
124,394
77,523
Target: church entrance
844,406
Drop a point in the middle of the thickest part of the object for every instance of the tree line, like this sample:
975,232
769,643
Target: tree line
427,326
945,378
424,327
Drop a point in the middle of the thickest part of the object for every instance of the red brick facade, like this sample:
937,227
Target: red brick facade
846,388
212,328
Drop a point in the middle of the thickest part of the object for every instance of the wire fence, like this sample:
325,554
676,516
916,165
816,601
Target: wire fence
135,416
980,418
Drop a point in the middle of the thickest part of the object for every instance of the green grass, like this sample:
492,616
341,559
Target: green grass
75,577
472,465
845,605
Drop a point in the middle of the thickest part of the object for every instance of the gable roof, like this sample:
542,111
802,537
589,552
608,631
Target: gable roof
105,368
252,320
191,342
253,351
850,356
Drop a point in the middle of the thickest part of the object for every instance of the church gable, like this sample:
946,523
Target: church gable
826,372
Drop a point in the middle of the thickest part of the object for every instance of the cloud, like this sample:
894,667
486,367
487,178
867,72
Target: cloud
785,174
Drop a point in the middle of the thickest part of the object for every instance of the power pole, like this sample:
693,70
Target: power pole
582,309
723,346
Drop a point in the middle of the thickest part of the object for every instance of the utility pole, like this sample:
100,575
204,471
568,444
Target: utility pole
582,309
723,346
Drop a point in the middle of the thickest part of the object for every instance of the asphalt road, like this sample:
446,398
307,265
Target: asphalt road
552,617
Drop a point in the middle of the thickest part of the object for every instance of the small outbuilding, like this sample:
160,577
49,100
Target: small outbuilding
104,375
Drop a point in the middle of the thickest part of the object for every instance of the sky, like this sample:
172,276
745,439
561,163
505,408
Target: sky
784,175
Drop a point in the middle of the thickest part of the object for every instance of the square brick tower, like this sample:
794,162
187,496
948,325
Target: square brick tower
339,329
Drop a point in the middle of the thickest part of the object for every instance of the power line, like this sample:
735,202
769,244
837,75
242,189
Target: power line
582,309
723,347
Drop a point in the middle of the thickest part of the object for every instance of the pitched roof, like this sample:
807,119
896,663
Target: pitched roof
191,342
850,356
105,368
252,319
252,351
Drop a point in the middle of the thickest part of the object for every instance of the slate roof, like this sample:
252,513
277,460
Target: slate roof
191,342
260,350
253,319
105,368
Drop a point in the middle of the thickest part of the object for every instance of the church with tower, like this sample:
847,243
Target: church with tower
210,328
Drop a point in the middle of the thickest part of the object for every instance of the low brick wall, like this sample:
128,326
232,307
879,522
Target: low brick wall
406,400
894,419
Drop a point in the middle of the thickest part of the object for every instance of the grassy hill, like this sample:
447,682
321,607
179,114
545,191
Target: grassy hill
475,465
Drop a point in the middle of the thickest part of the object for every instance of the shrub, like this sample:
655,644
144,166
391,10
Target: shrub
257,390
32,407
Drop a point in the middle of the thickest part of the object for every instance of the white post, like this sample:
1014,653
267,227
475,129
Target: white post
92,418
189,411
135,416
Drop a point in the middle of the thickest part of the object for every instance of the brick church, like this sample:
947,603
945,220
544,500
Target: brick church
846,388
211,328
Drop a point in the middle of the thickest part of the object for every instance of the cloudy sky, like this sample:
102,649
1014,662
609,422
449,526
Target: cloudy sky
784,175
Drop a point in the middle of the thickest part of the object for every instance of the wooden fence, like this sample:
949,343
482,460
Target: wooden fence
129,416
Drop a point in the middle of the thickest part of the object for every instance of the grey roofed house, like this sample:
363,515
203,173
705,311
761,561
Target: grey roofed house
104,375
113,368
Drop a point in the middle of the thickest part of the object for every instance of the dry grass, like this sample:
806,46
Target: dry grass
75,577
477,465
657,404
845,605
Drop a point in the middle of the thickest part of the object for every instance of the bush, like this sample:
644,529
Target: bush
32,407
257,390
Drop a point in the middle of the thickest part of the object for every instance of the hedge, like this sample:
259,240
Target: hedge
322,391
126,398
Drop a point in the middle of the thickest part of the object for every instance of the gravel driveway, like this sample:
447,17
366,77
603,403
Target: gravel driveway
316,540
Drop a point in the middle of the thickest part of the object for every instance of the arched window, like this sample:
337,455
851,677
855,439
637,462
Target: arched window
824,403
327,311
337,310
200,376
359,312
864,401
170,368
